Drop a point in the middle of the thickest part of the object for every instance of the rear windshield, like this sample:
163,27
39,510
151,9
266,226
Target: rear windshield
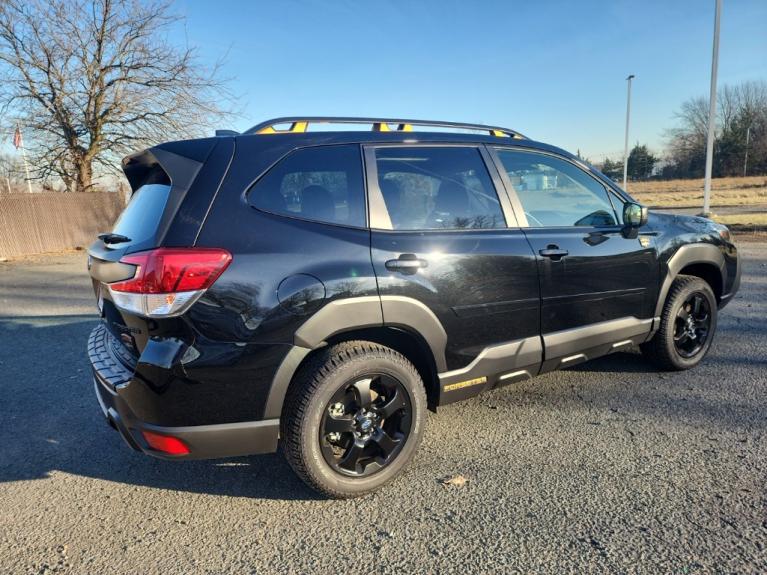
141,217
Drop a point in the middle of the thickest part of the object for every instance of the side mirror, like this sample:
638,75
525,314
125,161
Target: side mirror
634,215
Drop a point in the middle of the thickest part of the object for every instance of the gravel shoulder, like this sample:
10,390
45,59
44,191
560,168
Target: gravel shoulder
606,467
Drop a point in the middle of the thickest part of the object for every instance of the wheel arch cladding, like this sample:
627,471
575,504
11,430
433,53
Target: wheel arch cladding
371,311
701,258
402,323
408,343
709,273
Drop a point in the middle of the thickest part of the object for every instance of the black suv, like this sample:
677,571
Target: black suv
320,290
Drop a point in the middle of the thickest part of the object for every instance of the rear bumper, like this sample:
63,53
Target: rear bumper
111,378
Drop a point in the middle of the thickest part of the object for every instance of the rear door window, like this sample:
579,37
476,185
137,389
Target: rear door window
437,188
322,184
140,219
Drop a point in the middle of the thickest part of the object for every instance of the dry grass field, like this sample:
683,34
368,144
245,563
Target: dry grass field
727,196
745,219
725,192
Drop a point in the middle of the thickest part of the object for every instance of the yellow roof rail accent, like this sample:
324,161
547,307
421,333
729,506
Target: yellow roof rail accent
384,127
294,127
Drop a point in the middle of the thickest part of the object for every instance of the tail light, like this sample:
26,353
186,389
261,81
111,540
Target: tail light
168,280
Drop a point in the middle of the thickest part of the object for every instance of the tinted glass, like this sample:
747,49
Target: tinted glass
437,188
142,215
555,192
322,184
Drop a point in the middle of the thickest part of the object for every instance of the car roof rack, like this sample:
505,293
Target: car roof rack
300,124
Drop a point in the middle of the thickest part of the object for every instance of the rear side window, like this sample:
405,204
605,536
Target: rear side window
323,184
434,188
141,217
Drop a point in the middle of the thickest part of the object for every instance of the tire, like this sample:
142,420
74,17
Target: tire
330,391
673,348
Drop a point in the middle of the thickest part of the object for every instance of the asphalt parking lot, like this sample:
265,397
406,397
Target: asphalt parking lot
608,467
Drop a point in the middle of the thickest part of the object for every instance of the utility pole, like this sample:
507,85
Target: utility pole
712,113
745,158
626,142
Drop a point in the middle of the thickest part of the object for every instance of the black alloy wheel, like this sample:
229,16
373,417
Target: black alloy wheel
687,325
365,425
692,325
353,418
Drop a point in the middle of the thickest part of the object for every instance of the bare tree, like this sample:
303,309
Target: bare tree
11,175
92,80
741,133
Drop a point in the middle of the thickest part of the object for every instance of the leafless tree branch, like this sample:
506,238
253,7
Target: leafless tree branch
92,80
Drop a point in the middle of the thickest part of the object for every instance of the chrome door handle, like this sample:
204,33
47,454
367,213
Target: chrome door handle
554,252
406,263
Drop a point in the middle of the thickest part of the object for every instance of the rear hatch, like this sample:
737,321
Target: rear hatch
172,188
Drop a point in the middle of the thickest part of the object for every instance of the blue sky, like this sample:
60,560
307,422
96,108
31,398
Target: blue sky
554,70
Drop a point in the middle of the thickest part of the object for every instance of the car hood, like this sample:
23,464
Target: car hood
662,220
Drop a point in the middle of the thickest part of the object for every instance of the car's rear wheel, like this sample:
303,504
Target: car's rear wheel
353,418
687,327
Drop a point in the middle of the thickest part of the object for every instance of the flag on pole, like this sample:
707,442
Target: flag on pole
19,143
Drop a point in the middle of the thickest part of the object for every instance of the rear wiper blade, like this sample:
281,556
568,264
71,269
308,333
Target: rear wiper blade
111,238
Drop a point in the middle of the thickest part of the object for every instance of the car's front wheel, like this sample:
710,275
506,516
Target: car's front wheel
687,326
353,418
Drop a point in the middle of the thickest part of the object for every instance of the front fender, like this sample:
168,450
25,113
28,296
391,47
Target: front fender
699,253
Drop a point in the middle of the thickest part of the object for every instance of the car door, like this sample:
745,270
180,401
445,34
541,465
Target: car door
441,235
598,283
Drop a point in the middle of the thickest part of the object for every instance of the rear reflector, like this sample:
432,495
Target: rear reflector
168,280
165,443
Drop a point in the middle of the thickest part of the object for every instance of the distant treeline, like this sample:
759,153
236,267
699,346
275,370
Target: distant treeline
740,145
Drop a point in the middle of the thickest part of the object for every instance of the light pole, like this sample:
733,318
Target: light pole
626,142
745,158
712,113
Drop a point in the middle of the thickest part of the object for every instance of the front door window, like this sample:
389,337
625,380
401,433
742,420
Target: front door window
556,193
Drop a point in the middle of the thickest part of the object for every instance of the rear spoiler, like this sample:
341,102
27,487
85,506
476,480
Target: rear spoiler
175,163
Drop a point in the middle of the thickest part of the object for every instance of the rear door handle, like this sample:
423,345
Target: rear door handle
406,263
554,252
